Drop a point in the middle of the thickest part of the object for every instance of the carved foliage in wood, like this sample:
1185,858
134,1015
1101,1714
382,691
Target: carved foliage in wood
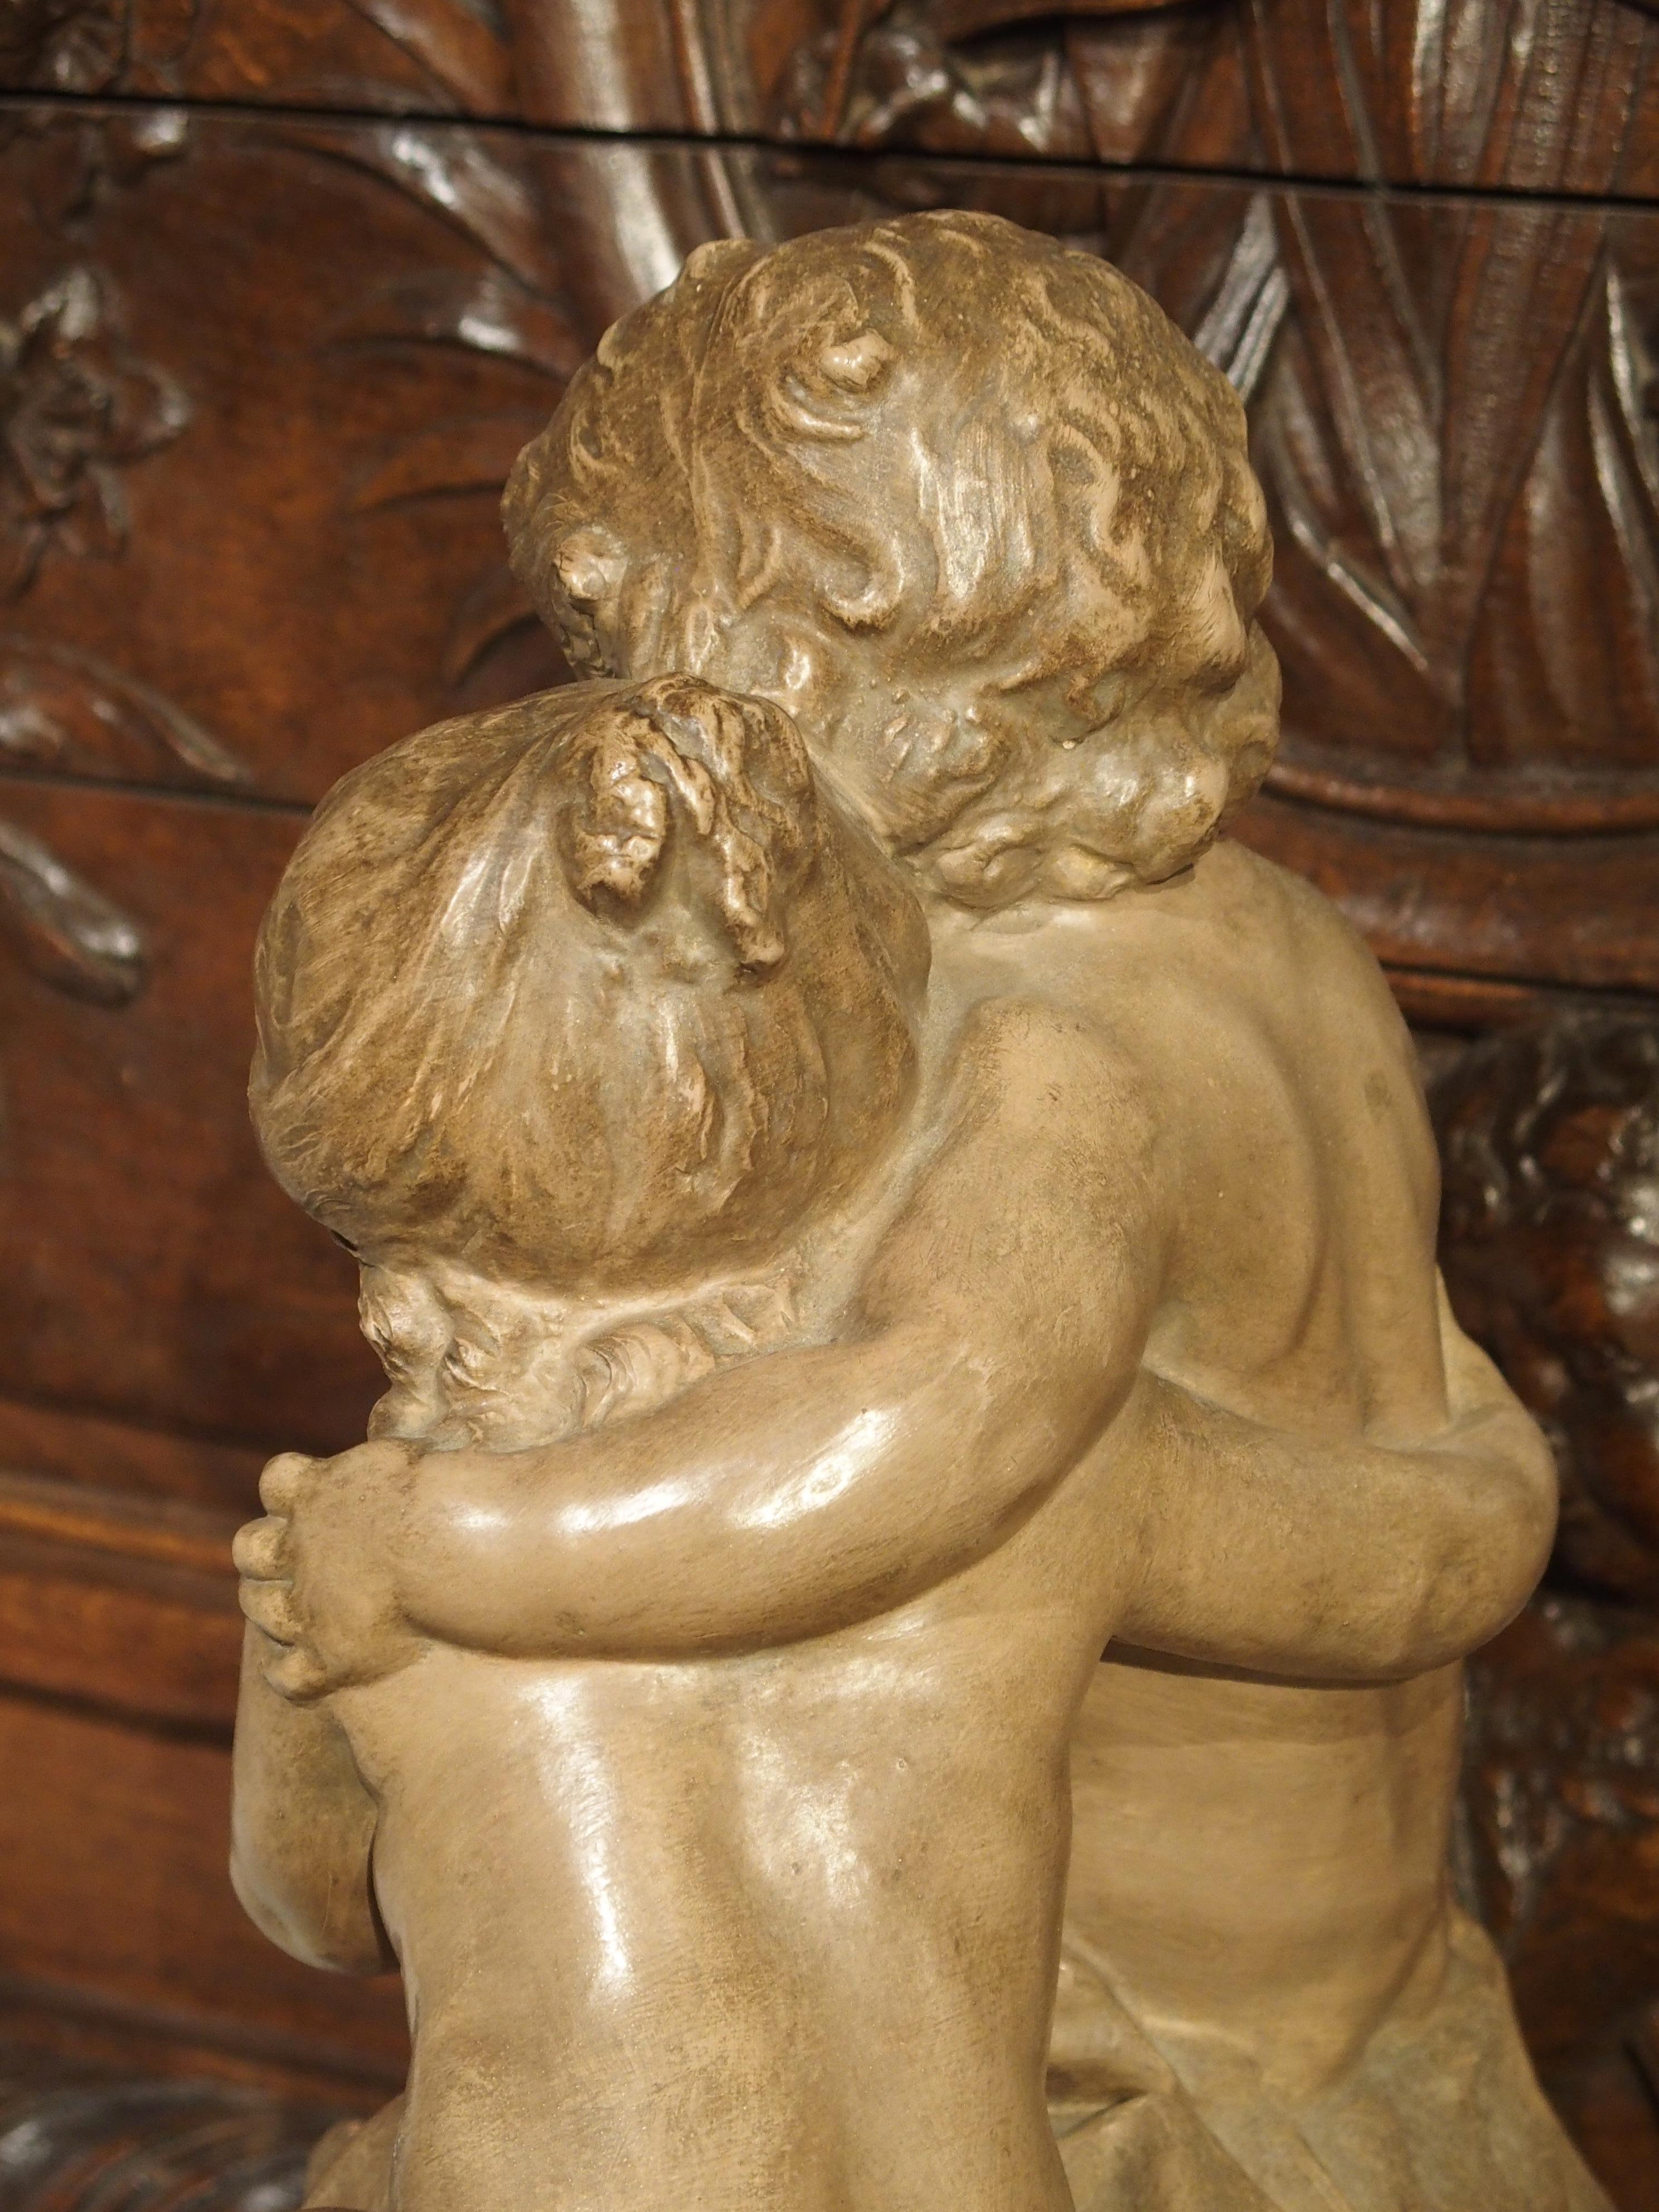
1561,1817
63,45
320,532
1551,1250
73,2138
1550,1246
77,407
327,53
330,393
1451,399
514,306
1452,402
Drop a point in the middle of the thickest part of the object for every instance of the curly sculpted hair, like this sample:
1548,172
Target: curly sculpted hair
989,464
587,994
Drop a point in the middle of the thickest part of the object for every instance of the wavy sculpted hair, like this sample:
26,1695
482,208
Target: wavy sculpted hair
584,994
989,460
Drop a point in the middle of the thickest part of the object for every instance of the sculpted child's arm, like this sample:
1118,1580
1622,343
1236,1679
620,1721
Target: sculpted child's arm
1361,1561
999,1327
301,1828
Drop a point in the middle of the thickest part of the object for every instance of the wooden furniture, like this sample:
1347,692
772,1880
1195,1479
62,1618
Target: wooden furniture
283,289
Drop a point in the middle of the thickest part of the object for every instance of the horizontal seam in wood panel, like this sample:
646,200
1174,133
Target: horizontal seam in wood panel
1504,980
97,1415
802,150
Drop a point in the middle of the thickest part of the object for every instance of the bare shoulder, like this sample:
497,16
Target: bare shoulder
1032,1050
1242,880
1318,994
1305,953
1055,1094
1041,1162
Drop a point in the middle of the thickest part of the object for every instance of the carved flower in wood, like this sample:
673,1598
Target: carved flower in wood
76,407
62,46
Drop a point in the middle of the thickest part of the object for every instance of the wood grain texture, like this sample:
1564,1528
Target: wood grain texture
284,360
38,1440
169,1938
354,364
122,1604
1284,86
133,1199
1466,615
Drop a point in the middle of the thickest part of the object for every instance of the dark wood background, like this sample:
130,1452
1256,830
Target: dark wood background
284,284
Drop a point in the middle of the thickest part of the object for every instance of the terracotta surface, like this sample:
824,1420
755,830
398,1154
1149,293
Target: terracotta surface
798,1379
282,347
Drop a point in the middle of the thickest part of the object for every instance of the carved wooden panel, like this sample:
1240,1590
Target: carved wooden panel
1562,1792
1466,599
152,1270
266,380
1550,1244
168,1942
261,374
309,53
1559,97
74,2137
119,1937
1536,95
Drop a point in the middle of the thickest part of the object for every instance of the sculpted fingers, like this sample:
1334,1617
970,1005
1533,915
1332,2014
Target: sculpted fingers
296,1675
259,1550
285,1479
270,1607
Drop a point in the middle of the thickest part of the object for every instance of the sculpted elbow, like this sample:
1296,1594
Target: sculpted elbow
320,1929
1533,1511
1480,1588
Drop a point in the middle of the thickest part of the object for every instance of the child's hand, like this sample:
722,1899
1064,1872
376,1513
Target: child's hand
319,1573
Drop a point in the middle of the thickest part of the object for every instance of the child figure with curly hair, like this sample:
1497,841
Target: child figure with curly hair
1123,1325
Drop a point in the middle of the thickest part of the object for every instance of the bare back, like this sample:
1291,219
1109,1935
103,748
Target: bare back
1294,1150
1249,1852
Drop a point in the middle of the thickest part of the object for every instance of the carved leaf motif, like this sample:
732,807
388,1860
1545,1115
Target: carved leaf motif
462,45
894,80
76,407
65,2126
1243,318
62,46
513,310
63,708
1550,1247
67,710
456,175
490,313
467,456
70,935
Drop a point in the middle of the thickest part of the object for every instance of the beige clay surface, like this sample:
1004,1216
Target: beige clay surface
866,1197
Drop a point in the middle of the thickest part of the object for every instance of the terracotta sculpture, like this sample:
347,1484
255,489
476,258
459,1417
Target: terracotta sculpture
864,1196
